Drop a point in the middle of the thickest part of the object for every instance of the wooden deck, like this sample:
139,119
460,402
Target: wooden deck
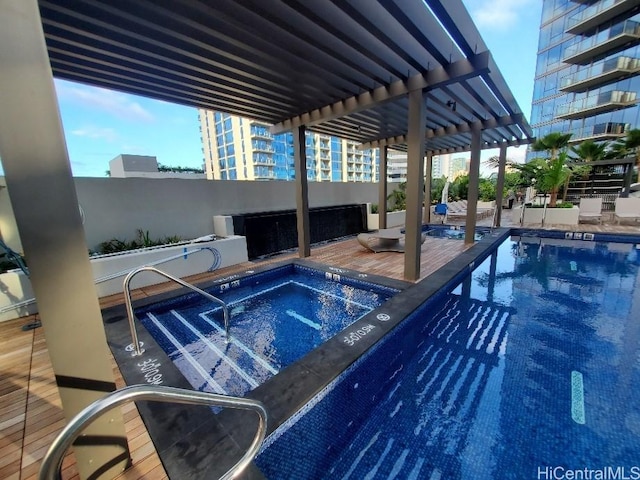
30,410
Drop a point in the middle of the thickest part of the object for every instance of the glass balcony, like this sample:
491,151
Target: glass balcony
261,146
598,14
602,131
609,39
264,174
261,159
600,73
594,104
261,132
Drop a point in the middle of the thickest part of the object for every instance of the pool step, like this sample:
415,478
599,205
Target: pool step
197,345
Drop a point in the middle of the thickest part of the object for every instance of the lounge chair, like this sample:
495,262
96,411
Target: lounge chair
627,208
385,240
590,209
459,210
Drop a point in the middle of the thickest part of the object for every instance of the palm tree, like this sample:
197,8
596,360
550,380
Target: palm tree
553,142
553,176
629,145
587,151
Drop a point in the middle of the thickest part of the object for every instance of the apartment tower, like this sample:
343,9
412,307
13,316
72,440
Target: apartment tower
587,74
237,148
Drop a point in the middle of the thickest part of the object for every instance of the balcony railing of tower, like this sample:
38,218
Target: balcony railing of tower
603,41
596,14
600,73
600,102
601,131
260,132
262,146
263,159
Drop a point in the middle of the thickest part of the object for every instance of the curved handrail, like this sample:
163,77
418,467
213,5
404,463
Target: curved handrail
137,350
122,273
52,461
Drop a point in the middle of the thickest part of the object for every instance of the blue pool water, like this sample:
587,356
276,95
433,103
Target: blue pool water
530,367
276,317
452,233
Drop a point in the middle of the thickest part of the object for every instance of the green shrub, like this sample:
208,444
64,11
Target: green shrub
142,240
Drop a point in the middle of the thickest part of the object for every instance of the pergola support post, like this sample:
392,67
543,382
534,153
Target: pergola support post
502,163
415,182
45,205
474,178
302,191
382,189
428,168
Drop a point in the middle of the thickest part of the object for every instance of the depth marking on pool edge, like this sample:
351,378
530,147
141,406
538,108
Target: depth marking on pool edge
577,398
305,320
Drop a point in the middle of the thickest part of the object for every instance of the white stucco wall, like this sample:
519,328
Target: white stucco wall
116,207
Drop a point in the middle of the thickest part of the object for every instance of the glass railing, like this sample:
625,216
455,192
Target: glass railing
625,64
628,27
261,132
594,101
602,130
591,11
262,146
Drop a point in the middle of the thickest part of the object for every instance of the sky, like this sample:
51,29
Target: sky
100,124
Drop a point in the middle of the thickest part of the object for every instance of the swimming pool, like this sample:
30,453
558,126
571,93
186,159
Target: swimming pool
276,317
528,368
453,232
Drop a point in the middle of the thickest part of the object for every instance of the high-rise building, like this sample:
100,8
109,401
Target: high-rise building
586,80
449,166
237,148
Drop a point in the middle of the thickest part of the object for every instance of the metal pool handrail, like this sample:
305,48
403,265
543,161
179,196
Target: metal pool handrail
214,252
137,350
52,461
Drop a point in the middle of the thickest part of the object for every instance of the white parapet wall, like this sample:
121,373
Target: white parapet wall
553,216
394,219
15,286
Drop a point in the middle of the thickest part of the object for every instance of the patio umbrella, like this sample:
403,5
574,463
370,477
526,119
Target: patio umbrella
445,192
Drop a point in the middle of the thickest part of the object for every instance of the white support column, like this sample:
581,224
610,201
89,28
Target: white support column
502,163
44,201
302,191
426,216
382,189
415,181
474,178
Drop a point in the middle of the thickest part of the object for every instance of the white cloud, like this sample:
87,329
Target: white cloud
118,104
96,133
499,14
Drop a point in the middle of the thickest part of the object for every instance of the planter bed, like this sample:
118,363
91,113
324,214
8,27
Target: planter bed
224,252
